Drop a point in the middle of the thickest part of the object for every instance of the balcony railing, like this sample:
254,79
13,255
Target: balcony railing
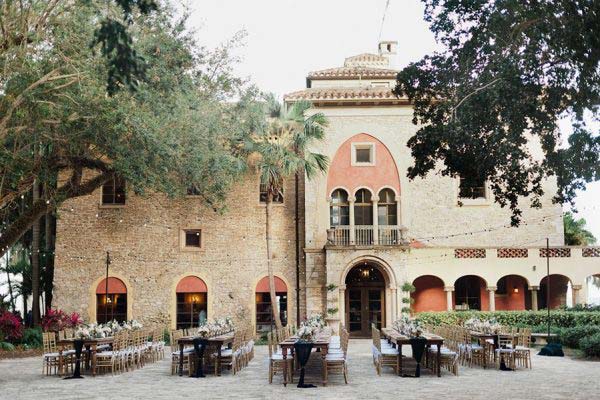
363,235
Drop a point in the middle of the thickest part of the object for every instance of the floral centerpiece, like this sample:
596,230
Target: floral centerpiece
408,326
311,327
487,326
99,331
306,333
220,326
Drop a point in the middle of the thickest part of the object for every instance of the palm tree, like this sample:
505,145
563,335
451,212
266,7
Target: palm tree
575,232
283,151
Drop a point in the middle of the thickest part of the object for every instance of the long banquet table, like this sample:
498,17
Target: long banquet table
400,340
217,341
321,343
91,346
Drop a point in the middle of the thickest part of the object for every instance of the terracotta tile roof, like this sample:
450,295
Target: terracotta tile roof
343,94
353,73
367,60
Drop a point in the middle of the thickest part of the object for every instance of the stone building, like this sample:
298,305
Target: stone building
363,232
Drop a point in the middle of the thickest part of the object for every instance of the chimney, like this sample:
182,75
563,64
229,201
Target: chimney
388,49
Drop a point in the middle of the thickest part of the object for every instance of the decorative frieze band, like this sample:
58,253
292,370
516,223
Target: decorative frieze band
590,252
469,253
555,252
509,252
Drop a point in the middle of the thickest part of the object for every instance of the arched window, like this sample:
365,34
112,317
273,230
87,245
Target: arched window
111,304
192,302
264,314
339,211
386,208
363,208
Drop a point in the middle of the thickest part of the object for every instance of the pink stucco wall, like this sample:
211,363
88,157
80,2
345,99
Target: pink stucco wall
383,174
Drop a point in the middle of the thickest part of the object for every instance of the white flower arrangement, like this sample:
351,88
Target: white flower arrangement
487,326
218,327
100,331
306,333
408,326
311,327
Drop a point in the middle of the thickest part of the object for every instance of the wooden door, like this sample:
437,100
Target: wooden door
364,306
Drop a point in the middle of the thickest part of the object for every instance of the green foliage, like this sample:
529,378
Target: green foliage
408,300
331,287
571,337
575,232
408,287
6,346
590,345
167,337
563,319
32,337
406,310
331,311
179,128
507,71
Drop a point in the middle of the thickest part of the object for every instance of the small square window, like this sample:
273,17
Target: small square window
363,154
113,192
193,238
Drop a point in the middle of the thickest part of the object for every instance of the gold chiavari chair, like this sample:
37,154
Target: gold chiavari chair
276,361
523,348
338,361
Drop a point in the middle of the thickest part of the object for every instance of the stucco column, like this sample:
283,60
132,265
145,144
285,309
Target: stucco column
342,305
398,212
492,293
351,200
449,290
576,289
394,301
534,303
375,223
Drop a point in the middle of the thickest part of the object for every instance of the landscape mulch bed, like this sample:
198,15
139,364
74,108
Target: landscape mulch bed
19,353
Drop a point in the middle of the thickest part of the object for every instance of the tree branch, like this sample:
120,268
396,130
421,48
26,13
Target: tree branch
73,188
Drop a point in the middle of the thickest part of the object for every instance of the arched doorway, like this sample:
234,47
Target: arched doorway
429,294
192,302
559,285
365,299
111,304
264,313
469,293
512,293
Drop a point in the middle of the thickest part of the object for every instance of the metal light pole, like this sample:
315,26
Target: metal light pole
548,284
106,289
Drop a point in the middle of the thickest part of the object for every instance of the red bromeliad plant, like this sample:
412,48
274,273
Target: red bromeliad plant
57,320
11,326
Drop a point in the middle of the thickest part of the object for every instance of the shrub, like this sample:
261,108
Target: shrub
590,345
57,320
6,346
564,319
11,327
32,337
571,337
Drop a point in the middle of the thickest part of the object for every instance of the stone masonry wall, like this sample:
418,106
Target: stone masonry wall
143,238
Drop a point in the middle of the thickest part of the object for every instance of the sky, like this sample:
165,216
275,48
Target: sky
286,39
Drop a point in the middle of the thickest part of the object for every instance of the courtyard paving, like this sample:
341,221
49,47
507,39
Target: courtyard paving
550,378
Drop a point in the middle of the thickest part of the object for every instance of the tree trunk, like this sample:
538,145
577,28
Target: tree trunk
35,261
274,304
48,260
10,290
